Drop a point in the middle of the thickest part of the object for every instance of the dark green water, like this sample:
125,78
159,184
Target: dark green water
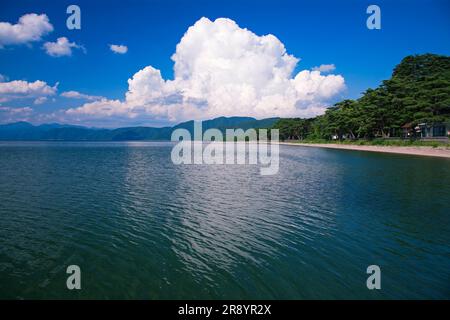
140,227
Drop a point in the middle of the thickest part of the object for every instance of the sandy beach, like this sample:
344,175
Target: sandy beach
416,151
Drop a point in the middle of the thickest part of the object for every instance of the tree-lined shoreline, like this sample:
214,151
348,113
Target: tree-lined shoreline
415,98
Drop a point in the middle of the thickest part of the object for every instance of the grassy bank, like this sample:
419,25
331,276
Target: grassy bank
378,142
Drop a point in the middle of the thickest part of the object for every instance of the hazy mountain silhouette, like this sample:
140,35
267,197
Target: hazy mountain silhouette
55,131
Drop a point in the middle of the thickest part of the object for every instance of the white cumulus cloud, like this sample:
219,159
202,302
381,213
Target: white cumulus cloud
62,47
16,110
21,89
221,69
9,114
30,27
118,48
78,95
40,100
325,68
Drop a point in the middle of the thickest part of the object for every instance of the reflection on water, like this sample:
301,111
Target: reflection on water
141,227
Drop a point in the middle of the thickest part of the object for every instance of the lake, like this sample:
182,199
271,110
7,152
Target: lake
141,227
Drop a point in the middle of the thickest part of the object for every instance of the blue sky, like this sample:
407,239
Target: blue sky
316,32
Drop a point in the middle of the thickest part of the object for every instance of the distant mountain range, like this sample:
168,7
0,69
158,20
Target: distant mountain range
61,132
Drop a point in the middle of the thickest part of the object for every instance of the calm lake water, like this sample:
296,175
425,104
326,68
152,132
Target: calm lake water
140,227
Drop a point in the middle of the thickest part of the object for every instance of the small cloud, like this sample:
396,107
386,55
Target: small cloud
325,68
40,100
16,110
20,89
62,47
118,48
3,78
78,95
30,27
9,114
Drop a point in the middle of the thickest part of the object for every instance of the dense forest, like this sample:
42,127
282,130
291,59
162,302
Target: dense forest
418,92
